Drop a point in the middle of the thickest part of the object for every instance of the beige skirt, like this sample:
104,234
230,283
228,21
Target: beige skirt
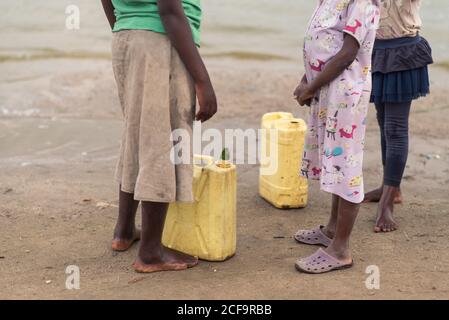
157,96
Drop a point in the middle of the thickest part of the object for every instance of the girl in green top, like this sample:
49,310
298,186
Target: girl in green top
159,75
144,15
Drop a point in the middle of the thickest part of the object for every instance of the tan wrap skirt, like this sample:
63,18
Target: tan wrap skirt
157,96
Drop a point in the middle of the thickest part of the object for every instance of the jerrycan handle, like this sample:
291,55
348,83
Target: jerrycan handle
203,179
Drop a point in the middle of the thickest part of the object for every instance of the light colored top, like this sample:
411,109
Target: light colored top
331,21
399,18
144,15
336,135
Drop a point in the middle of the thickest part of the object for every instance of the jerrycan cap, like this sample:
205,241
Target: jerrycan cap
292,124
224,162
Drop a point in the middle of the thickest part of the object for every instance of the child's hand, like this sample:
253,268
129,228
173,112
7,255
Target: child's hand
305,96
207,101
303,93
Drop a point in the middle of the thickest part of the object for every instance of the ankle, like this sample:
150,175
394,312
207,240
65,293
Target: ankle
149,253
340,250
124,231
329,231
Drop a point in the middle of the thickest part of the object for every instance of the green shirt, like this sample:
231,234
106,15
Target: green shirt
144,15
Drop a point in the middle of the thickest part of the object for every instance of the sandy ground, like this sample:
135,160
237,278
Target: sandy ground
59,132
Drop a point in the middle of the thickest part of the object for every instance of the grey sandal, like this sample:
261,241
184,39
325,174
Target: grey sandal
313,237
320,262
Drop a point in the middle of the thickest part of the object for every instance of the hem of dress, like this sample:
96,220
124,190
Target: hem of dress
145,199
131,190
123,187
344,196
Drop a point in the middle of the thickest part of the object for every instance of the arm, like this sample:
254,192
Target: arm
109,11
178,30
343,59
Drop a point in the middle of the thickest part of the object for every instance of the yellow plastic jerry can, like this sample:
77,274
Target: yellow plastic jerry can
283,186
206,228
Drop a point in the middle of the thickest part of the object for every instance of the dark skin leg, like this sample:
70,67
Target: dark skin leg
126,233
329,229
339,247
152,255
376,194
384,220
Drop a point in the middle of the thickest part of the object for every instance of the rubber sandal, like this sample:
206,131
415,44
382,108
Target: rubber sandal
320,262
313,237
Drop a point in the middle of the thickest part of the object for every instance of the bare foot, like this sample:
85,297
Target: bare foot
376,194
123,243
165,260
384,220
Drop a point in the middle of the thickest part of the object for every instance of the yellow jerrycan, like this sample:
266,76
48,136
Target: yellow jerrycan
282,147
206,228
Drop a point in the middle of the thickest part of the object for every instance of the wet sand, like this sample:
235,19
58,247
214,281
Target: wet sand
59,137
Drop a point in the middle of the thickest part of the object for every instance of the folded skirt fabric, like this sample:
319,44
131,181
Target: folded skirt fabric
400,70
400,86
157,96
401,54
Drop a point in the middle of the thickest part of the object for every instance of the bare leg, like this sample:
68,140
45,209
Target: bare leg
152,255
373,195
384,220
126,233
339,247
376,194
381,112
329,229
397,147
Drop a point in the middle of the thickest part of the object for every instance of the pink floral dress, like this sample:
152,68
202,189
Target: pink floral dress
336,133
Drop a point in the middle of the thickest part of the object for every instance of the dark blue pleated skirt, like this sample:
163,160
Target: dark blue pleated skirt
400,86
400,70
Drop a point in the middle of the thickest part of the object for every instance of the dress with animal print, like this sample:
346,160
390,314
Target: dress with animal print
336,129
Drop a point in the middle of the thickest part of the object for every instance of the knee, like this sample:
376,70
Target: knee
396,130
397,137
